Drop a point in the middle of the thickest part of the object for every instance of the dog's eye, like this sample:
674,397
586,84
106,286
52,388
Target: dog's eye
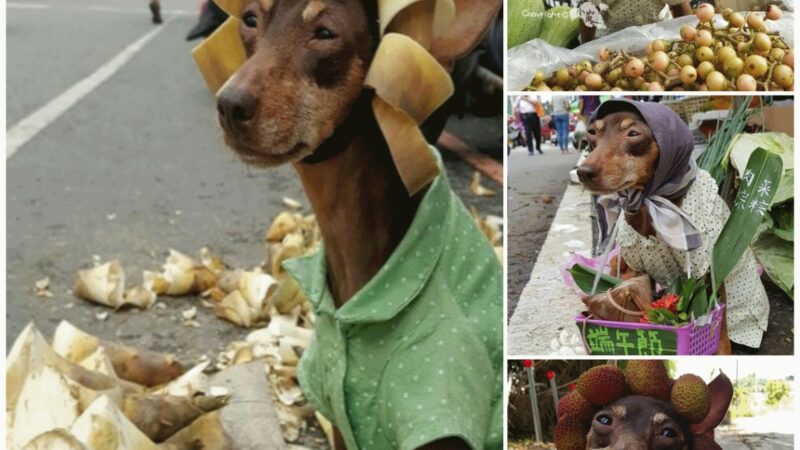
634,133
669,432
323,33
605,419
592,131
250,20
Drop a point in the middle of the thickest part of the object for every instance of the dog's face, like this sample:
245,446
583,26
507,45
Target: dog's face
305,69
624,155
638,423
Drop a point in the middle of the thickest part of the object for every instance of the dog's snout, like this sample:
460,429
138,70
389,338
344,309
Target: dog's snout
586,172
236,106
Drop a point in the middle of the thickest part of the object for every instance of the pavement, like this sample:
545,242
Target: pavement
126,161
543,322
535,186
773,430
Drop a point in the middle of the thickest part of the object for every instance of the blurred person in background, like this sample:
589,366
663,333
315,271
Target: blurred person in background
530,110
561,109
155,9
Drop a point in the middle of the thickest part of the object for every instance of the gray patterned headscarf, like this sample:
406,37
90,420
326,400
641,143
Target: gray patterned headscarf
675,173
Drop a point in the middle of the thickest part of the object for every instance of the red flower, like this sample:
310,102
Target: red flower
668,301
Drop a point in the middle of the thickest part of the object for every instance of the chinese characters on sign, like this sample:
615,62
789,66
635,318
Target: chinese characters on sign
756,201
614,341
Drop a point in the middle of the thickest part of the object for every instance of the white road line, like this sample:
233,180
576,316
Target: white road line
26,6
24,130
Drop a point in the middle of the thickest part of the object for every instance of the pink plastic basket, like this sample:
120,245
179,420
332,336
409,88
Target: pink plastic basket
605,337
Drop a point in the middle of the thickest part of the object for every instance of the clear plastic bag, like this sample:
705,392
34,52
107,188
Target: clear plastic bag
524,60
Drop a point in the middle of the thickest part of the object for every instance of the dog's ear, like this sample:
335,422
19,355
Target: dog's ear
472,21
720,394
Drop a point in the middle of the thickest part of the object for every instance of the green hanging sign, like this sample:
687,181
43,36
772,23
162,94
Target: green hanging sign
757,187
603,340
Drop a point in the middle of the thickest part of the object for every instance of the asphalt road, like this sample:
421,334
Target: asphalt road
535,186
133,168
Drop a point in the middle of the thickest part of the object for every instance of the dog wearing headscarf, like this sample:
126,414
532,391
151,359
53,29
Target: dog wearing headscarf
641,165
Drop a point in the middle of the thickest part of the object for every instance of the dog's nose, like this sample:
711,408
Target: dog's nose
586,173
236,106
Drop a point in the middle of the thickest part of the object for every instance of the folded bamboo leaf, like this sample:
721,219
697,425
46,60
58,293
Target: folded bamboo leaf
30,352
103,427
211,261
161,416
220,55
584,279
283,224
57,439
758,186
45,402
104,284
232,7
443,12
139,366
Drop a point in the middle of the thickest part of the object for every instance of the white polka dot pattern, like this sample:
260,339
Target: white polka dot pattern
747,304
417,354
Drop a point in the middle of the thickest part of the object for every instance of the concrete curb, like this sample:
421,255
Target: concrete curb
544,320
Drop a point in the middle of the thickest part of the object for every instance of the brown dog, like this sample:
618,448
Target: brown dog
644,423
624,156
300,98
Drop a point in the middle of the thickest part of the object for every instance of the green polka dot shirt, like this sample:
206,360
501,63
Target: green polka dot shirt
416,355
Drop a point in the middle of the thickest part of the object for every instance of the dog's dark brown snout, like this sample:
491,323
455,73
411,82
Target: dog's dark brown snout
236,107
586,173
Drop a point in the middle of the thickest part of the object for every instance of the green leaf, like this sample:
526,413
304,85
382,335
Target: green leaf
662,316
786,188
701,305
686,294
675,286
777,257
584,278
756,190
713,159
742,147
782,216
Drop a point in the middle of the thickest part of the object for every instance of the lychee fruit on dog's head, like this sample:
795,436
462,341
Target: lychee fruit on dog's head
641,408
